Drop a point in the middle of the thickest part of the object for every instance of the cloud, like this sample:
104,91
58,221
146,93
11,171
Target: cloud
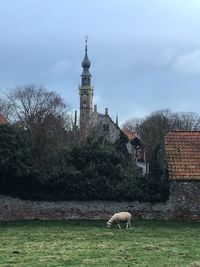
167,57
98,100
188,63
60,67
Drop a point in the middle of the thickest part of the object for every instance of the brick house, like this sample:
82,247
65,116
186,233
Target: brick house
182,150
136,148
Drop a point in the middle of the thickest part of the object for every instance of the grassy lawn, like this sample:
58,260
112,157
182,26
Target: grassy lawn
90,243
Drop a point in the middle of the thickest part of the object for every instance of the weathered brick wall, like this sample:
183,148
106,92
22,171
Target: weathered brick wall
185,199
184,203
16,209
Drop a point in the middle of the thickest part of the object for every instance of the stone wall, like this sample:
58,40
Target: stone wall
16,209
185,199
184,203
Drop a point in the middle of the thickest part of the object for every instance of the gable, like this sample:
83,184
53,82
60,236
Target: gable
103,126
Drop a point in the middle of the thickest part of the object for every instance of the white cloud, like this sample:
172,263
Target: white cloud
99,101
188,63
167,57
60,67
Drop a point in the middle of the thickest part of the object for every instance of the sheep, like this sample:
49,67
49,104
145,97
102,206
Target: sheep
120,217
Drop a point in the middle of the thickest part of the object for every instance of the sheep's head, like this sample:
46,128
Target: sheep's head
108,224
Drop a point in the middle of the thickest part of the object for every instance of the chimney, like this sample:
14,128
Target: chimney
106,111
95,108
117,120
75,119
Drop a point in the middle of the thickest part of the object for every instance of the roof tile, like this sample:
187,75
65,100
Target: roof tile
183,154
131,135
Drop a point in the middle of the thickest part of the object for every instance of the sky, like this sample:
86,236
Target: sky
145,55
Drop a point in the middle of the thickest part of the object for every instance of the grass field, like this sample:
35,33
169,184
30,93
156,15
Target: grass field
90,243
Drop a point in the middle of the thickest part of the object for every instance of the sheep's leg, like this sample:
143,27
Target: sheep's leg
119,225
128,225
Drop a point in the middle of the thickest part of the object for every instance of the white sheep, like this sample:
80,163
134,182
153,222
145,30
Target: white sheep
120,217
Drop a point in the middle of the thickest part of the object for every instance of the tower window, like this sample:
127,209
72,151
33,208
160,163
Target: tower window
84,104
86,81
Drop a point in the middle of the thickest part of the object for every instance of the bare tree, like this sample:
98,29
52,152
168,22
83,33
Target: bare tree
45,118
5,107
185,121
153,128
132,124
31,105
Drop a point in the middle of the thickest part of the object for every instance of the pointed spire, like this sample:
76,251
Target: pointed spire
86,76
86,62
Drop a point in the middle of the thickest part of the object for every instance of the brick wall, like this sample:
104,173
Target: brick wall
16,209
185,199
184,203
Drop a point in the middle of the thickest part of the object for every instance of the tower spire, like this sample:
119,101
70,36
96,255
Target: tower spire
85,91
86,40
86,76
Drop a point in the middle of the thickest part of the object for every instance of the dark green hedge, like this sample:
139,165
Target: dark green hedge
93,170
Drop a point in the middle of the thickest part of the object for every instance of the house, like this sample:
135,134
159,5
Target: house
182,150
136,147
102,126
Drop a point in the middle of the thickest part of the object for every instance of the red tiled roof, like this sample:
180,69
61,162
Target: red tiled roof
3,119
131,135
183,154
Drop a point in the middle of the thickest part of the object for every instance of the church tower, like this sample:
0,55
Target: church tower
86,92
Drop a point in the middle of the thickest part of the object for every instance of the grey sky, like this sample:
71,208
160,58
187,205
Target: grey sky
145,55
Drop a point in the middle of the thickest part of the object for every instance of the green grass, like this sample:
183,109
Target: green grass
90,243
